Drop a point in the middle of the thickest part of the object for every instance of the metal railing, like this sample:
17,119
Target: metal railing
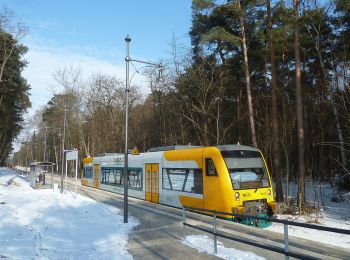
286,223
21,172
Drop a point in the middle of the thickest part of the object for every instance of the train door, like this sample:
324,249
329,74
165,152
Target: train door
152,182
96,181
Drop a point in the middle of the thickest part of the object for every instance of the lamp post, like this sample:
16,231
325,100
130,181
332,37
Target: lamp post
34,148
63,140
26,148
127,60
45,144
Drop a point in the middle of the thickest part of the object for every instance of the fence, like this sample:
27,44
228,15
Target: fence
22,173
286,223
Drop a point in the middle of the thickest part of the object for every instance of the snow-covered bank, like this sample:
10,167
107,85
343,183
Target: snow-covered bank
22,168
323,196
42,224
330,238
203,244
330,214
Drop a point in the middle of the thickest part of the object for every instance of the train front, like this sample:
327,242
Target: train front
251,182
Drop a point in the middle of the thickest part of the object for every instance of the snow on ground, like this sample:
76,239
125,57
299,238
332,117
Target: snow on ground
42,224
330,214
341,240
320,195
203,244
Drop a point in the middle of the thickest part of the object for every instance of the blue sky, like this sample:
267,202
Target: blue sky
90,34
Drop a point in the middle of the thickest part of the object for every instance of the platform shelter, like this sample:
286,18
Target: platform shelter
41,175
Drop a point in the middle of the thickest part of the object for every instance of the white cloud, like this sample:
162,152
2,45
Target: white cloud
44,61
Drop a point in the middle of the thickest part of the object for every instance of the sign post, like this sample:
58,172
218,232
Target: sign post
72,155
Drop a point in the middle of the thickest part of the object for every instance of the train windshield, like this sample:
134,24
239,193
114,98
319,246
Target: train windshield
246,168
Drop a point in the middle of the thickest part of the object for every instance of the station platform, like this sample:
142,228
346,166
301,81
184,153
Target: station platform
159,234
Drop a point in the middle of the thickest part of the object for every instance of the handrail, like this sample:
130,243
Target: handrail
284,251
282,221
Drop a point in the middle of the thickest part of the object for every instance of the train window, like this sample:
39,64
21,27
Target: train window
88,172
248,173
186,180
110,175
115,176
119,176
135,179
246,168
198,181
210,167
249,178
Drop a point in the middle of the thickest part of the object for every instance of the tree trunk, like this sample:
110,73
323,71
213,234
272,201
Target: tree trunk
339,131
247,75
299,103
239,115
275,137
218,125
332,99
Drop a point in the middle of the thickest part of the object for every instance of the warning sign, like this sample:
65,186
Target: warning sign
135,151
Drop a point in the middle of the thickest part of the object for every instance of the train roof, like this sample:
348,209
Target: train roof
225,147
108,154
172,147
234,147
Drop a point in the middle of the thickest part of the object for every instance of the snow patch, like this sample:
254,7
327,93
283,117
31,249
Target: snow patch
43,224
203,244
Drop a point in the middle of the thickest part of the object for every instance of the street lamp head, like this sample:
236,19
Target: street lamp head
128,39
160,73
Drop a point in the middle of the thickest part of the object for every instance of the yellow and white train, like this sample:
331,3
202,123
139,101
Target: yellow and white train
226,178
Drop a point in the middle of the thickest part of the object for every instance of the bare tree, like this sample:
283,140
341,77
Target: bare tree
70,79
105,110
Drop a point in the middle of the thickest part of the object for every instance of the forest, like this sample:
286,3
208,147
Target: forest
14,90
265,73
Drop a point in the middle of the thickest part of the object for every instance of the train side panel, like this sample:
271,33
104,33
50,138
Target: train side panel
218,190
182,168
189,162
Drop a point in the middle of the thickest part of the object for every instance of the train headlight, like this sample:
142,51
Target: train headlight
237,195
269,192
